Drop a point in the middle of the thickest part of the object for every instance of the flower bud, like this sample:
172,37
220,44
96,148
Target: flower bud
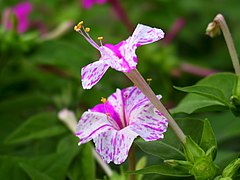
231,170
203,169
213,29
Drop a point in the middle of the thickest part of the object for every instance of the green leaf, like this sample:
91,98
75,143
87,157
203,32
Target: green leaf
34,174
55,165
207,91
170,147
39,126
61,54
83,167
211,99
160,149
23,102
208,139
192,150
225,126
9,168
164,169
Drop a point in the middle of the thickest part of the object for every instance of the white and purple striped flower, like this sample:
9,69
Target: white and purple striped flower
114,124
121,56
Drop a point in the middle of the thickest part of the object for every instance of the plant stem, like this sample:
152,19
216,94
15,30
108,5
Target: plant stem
131,162
219,19
121,14
139,81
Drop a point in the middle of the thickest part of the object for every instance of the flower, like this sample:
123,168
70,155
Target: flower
22,11
114,124
87,4
68,117
121,56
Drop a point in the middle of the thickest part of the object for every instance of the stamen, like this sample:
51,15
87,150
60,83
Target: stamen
103,100
100,38
149,80
87,29
84,32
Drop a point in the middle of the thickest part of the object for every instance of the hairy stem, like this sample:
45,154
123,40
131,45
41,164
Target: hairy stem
219,19
138,80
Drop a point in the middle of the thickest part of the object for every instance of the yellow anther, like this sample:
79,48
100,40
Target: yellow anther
87,29
149,80
76,28
103,100
80,23
100,38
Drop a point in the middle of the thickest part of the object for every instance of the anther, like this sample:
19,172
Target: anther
103,100
149,80
87,29
100,38
76,28
108,114
80,23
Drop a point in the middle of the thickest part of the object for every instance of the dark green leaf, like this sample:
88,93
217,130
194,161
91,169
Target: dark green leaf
55,165
160,149
36,127
164,169
34,174
225,125
221,82
83,166
207,91
10,170
23,103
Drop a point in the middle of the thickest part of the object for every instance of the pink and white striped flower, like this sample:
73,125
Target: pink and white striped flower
114,124
121,56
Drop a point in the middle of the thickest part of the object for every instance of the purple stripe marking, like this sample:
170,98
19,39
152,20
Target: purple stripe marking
105,125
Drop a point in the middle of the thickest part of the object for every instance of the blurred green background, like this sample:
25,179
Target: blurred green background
40,75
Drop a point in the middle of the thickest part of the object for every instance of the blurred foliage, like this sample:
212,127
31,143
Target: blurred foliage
40,77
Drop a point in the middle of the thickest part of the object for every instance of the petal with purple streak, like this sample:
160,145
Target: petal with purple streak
144,35
92,73
116,100
149,123
114,145
112,55
93,123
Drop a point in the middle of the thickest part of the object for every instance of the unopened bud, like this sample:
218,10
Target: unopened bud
213,29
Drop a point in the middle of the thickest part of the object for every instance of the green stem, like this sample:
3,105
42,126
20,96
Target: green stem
139,81
131,162
219,19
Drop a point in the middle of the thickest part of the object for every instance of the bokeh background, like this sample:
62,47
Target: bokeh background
40,73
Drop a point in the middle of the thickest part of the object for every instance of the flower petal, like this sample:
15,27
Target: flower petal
91,124
114,145
144,35
149,123
92,73
112,55
117,103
